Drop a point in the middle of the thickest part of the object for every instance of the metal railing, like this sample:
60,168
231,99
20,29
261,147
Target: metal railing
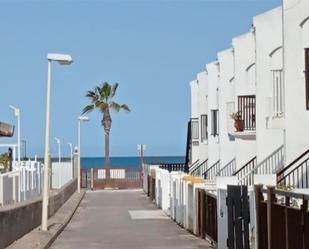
212,171
244,170
194,166
296,174
200,169
270,165
173,166
246,107
229,169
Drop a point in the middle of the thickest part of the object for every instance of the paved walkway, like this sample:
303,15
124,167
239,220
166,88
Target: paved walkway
123,220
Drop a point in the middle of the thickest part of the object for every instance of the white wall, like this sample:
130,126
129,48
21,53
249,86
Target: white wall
213,103
203,109
194,114
244,59
296,38
268,37
226,105
61,174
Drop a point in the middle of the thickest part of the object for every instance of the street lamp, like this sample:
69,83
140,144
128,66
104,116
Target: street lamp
62,59
17,114
80,119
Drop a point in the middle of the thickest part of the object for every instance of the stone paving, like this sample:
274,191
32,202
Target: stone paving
118,219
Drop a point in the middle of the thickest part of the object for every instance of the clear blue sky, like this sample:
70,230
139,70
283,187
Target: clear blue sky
151,48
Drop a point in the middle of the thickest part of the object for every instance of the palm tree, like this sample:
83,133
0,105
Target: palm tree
101,98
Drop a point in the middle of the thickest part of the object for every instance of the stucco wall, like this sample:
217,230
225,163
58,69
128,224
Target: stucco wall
268,37
226,97
213,91
296,38
19,219
244,59
203,109
194,114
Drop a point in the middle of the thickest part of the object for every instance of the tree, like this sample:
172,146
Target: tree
101,98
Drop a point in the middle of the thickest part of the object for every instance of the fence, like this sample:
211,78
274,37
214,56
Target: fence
24,183
244,171
122,178
207,215
282,219
174,167
61,174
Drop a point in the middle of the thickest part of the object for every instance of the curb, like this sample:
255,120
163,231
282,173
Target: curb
63,226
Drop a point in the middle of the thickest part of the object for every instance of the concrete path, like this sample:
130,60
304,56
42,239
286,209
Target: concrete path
116,219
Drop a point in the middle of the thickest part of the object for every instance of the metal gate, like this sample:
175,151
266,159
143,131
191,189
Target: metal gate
237,202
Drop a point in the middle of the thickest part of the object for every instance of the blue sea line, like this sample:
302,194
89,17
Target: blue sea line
128,162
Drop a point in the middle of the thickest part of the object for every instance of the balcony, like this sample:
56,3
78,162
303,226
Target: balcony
246,110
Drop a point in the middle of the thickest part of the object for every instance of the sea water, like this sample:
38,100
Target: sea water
125,162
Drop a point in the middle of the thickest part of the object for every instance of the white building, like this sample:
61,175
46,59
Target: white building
296,76
245,89
226,106
213,70
269,88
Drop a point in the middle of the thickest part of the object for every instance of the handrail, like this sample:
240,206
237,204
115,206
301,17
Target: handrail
228,169
244,170
292,163
298,176
211,172
268,165
244,167
194,165
198,171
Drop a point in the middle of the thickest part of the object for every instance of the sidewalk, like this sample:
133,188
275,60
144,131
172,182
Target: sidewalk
116,219
38,239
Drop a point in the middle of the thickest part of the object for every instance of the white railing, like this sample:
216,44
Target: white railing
278,92
21,184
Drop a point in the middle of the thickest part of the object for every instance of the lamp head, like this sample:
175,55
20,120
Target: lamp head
62,59
83,118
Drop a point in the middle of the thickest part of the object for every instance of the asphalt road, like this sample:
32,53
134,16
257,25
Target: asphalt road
116,219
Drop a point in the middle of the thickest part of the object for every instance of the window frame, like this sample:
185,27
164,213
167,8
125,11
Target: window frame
204,129
307,76
194,121
215,122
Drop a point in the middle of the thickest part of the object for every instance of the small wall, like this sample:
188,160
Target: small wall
19,219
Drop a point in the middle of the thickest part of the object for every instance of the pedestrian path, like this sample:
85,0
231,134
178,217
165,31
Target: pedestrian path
123,219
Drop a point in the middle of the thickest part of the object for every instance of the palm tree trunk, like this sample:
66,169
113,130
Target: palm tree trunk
107,123
107,160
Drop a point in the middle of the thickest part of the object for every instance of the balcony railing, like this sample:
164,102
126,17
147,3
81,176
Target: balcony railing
246,107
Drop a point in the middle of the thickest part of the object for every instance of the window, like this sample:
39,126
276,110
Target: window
194,128
214,122
246,107
307,76
204,134
277,105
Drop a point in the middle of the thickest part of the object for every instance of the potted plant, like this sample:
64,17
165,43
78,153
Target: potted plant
239,123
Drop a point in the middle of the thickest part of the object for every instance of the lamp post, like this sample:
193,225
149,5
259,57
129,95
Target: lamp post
25,149
62,59
80,119
17,114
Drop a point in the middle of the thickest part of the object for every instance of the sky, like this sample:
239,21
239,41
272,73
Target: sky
151,48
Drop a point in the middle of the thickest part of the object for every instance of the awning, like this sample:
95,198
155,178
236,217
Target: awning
6,130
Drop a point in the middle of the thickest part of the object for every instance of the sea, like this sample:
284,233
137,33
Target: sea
128,162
